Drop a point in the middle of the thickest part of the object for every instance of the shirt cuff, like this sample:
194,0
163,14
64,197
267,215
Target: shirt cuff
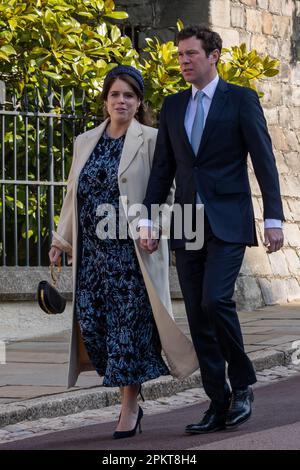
145,223
273,223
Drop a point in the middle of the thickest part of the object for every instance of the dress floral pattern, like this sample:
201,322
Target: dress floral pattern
111,301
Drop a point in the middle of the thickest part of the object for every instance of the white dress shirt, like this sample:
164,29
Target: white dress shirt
209,91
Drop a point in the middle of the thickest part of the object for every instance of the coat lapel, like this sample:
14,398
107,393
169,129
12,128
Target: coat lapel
133,141
214,113
88,143
185,97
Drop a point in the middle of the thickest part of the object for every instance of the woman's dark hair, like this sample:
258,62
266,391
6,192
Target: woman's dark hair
210,39
143,114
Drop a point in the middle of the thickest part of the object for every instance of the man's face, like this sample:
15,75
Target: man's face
195,66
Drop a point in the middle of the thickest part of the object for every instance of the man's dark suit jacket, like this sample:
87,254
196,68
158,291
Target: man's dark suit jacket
235,125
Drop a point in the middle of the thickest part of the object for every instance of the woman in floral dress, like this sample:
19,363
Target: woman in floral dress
111,303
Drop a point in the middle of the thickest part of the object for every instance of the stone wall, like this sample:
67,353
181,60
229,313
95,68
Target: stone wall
272,27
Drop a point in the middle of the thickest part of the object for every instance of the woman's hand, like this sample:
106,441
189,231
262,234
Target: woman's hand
147,243
55,255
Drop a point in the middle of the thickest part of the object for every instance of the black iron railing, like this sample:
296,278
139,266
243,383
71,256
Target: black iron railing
36,144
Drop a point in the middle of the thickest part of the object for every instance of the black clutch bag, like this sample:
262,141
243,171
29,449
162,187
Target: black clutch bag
49,299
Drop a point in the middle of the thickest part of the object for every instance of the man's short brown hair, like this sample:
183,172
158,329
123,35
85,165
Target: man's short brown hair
210,39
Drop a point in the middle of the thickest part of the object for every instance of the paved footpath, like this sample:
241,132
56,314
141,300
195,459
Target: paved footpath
32,382
87,424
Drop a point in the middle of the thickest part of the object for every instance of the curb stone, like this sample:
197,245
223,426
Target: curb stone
96,397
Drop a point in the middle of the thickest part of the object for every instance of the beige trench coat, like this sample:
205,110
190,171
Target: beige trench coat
133,175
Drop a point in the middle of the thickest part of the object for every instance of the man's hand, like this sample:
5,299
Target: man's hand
146,241
273,239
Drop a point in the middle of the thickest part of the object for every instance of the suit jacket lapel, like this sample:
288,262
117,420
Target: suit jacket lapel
214,113
133,141
185,97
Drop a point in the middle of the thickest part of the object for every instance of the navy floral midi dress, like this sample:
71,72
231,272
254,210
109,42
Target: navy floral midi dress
111,301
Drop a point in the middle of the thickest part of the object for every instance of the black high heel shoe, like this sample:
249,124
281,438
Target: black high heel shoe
131,433
140,393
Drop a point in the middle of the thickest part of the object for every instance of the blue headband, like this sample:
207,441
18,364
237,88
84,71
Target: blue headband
128,70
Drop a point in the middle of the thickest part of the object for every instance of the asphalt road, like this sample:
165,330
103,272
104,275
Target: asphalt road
275,424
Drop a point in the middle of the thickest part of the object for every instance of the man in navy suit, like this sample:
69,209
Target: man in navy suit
205,135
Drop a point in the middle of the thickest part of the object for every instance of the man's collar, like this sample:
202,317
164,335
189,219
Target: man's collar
209,89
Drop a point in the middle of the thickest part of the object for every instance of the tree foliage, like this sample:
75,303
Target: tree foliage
74,43
69,41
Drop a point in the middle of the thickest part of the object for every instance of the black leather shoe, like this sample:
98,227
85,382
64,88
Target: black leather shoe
240,407
212,421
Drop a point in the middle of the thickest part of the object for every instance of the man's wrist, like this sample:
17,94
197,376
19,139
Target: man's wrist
273,223
145,223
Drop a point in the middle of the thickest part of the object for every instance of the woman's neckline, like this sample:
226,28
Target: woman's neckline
107,135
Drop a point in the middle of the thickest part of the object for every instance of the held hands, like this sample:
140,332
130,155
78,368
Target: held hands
146,241
55,255
273,239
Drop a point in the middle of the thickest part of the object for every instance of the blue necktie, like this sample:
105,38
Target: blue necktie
198,123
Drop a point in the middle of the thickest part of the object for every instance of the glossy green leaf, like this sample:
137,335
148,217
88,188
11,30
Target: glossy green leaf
115,33
4,56
271,73
8,49
52,75
179,25
117,15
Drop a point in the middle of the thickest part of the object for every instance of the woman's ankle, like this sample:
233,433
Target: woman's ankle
129,407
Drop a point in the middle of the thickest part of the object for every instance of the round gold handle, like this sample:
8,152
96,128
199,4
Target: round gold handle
54,274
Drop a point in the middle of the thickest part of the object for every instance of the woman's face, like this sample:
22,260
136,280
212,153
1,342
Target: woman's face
122,103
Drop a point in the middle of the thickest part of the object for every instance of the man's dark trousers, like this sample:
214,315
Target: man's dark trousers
207,278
